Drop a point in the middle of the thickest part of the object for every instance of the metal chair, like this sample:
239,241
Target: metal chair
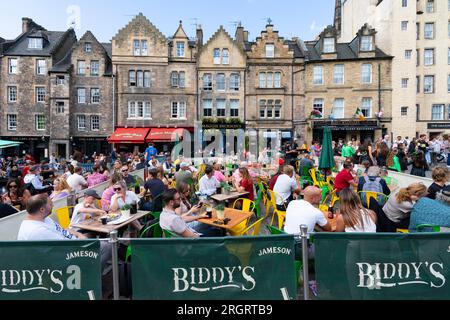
280,213
367,196
63,215
252,230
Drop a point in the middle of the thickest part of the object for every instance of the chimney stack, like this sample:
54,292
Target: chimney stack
199,36
26,24
240,34
245,36
338,16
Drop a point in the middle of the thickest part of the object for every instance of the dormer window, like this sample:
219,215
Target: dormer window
88,47
35,43
270,51
366,43
328,45
180,49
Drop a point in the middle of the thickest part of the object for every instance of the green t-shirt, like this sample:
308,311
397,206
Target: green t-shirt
348,152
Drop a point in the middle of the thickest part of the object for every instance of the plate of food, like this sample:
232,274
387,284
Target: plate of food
113,217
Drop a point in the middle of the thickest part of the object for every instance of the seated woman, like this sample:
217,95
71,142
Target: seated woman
399,206
122,197
109,192
16,195
433,212
61,189
353,217
218,173
246,184
441,176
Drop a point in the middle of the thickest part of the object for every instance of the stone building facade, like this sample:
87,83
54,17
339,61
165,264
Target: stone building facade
344,78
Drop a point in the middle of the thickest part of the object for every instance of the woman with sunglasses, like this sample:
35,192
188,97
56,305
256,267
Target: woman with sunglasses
16,195
61,189
122,197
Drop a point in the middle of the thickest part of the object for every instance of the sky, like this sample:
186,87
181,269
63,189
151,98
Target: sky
292,18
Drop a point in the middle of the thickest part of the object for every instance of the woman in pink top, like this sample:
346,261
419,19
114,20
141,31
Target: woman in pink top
96,178
218,174
109,192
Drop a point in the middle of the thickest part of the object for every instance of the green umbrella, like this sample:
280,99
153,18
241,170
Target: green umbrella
326,161
8,144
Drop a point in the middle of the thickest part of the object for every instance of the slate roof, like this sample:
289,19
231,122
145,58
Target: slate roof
345,51
20,46
108,48
63,65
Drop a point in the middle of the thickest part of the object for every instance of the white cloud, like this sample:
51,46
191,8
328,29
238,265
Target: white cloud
312,27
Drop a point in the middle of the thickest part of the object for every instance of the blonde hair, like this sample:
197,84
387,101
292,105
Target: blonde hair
288,170
63,185
350,208
441,174
416,189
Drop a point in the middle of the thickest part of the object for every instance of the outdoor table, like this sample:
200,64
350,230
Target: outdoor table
96,225
235,216
227,198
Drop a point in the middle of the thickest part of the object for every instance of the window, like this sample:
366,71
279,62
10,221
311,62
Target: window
216,56
270,51
178,110
408,54
430,6
180,49
366,72
220,82
174,79
417,84
366,107
448,5
12,122
182,79
448,83
235,82
60,80
328,45
262,109
269,109
448,56
95,66
40,122
207,82
405,82
132,76
225,56
139,110
404,111
437,112
338,109
234,108
221,108
12,66
429,57
95,123
207,108
60,107
88,47
429,30
40,94
81,67
12,94
81,94
338,77
318,75
318,106
81,120
41,67
417,31
95,95
140,78
35,43
140,48
262,78
404,25
366,43
417,57
277,80
277,114
428,86
404,3
269,80
448,29
147,79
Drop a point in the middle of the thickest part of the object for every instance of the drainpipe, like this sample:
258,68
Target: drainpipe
114,102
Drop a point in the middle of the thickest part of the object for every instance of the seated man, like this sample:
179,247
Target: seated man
156,188
170,221
86,209
345,178
285,187
127,177
373,183
306,212
208,183
37,226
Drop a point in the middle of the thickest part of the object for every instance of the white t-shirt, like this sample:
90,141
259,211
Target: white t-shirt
301,212
130,198
76,182
369,225
208,186
78,217
284,187
171,221
39,231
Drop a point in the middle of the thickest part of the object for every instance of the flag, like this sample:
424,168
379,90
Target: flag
360,115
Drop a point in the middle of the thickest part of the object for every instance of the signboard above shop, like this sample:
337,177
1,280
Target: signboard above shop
347,125
439,126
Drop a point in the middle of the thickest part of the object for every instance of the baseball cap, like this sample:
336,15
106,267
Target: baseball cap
92,193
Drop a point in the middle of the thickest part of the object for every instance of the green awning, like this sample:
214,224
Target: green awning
8,144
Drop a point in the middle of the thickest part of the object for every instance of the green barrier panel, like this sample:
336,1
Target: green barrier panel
247,268
55,270
383,266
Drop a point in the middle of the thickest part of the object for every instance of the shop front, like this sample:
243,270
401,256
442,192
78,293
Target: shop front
89,145
347,129
165,139
231,137
38,147
438,128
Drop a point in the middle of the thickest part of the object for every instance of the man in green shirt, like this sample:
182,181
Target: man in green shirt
348,151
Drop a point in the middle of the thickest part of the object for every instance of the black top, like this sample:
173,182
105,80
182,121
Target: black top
156,187
433,190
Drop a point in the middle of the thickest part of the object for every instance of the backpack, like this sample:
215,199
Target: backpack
373,186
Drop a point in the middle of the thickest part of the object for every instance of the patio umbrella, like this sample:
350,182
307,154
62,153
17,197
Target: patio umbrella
8,144
326,161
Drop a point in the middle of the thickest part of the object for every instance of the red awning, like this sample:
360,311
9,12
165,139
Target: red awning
129,136
165,135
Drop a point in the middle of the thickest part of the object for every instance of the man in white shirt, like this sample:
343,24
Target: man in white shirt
86,209
34,177
286,187
208,183
76,181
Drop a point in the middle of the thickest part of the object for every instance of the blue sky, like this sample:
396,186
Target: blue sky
302,18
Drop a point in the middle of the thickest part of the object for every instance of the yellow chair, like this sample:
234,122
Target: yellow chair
369,195
247,205
253,230
239,230
320,184
404,231
279,213
297,165
331,199
63,215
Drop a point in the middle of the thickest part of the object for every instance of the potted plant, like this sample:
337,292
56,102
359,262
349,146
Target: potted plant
126,210
226,188
220,209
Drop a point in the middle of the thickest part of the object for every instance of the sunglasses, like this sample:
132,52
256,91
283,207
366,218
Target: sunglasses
117,189
125,171
13,186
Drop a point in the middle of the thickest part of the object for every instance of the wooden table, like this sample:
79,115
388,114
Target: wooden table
96,225
231,196
236,217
